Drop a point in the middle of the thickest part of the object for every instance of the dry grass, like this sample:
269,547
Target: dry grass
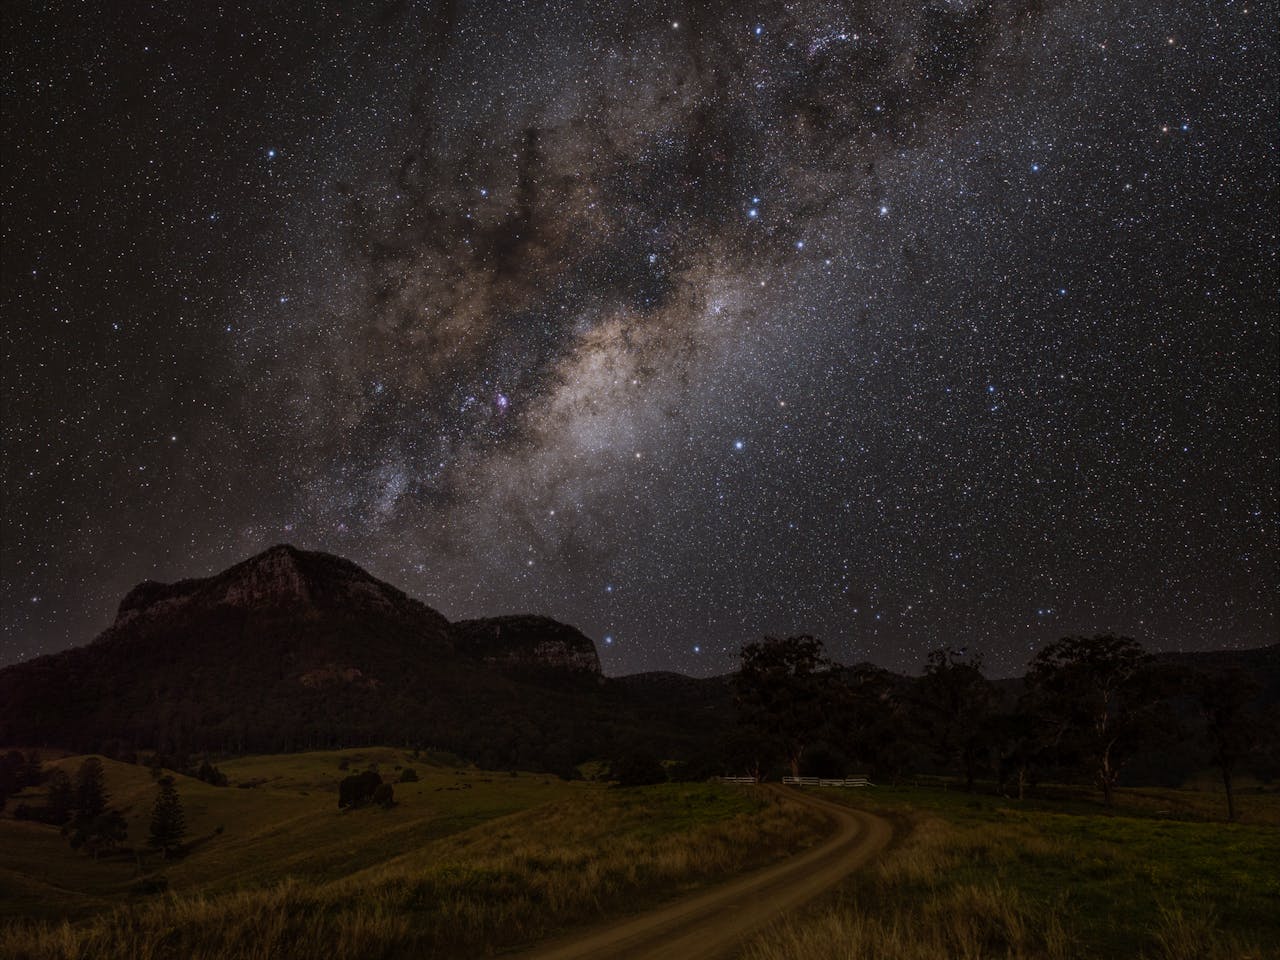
512,881
973,885
906,910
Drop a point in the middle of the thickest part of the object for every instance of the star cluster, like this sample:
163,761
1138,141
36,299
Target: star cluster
900,323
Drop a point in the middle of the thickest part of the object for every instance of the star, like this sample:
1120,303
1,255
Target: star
516,286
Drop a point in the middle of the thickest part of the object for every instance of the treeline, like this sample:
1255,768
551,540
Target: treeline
1086,710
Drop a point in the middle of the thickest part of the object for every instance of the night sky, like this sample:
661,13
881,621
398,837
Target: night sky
900,323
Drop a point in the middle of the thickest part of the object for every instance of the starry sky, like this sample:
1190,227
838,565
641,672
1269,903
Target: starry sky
902,323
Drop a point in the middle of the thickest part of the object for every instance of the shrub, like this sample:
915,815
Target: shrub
211,774
409,775
358,789
384,796
637,769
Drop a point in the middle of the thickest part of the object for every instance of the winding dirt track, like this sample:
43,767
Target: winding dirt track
712,923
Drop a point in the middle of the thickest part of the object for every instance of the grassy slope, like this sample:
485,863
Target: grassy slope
467,863
288,826
980,876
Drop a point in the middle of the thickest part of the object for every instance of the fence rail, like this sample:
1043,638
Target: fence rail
826,782
807,781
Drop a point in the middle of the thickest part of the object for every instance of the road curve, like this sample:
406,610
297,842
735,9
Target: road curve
713,922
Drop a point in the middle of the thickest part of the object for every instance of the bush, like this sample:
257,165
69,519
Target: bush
409,775
358,789
384,796
211,774
637,769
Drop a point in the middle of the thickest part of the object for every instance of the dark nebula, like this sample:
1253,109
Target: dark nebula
897,323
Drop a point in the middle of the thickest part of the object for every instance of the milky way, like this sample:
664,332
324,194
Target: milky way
898,323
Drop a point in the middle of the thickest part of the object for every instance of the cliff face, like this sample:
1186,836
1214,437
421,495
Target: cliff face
280,580
527,641
294,648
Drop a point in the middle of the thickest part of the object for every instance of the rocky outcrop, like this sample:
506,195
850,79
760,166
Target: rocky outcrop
294,649
527,641
332,674
281,579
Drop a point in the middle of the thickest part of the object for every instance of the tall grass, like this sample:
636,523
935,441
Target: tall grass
512,881
993,885
906,909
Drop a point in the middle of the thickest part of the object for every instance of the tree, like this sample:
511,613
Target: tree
1232,729
637,768
211,774
11,767
1015,738
100,834
358,789
91,791
1098,695
61,798
956,700
168,823
780,692
32,770
871,719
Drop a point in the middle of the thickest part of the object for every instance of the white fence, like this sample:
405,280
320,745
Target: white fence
825,782
806,781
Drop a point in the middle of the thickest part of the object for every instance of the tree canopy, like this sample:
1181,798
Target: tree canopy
781,693
1097,694
168,822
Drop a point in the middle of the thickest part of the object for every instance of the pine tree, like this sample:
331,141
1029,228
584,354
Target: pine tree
61,797
168,824
91,791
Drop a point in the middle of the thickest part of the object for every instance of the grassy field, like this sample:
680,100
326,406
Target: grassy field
982,877
466,863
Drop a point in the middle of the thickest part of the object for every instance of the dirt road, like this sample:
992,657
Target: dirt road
712,923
